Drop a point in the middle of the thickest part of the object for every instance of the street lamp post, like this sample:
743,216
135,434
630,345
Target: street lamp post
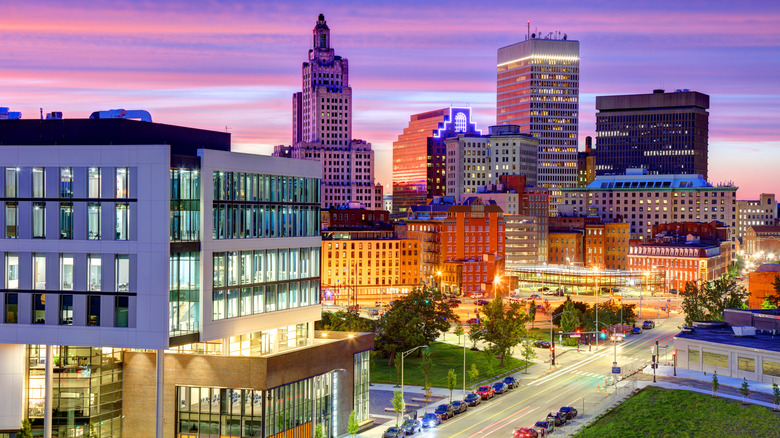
464,365
403,355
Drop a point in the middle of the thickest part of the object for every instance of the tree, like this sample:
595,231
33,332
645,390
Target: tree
344,322
774,299
502,327
532,312
767,304
570,319
26,430
745,390
709,299
715,384
319,432
489,363
398,404
397,364
415,319
776,396
452,380
352,425
473,375
425,366
583,308
528,352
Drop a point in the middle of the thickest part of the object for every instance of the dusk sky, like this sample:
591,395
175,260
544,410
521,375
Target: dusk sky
213,64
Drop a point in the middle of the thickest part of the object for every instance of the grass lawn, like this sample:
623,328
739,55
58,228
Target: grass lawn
657,412
444,357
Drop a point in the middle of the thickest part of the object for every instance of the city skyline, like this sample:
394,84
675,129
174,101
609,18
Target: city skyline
213,66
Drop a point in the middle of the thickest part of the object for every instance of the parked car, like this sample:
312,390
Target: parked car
536,296
559,293
411,427
525,432
549,292
674,291
568,411
510,382
373,311
455,300
445,411
354,308
499,388
539,307
647,325
544,427
473,399
460,406
486,392
480,302
394,432
542,289
453,304
636,331
472,321
431,420
556,419
542,344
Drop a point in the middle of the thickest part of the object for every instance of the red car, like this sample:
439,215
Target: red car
486,392
472,321
525,432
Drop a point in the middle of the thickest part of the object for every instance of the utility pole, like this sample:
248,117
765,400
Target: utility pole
655,360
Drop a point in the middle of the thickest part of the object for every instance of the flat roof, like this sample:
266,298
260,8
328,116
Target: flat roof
725,335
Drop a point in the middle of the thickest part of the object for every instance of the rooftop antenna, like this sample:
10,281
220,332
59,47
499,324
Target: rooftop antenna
528,32
227,128
41,113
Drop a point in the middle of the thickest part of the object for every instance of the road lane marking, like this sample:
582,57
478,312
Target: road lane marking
517,417
498,424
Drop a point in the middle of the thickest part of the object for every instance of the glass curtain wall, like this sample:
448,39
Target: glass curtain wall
184,312
185,205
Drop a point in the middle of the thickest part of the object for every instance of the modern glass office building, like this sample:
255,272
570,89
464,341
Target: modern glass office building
144,263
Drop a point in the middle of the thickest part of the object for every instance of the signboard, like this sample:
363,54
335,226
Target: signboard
615,370
575,335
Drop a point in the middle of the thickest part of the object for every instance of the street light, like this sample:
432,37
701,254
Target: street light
403,355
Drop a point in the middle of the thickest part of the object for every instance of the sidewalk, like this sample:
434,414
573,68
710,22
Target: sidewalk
668,371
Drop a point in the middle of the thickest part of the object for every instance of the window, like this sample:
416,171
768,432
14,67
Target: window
11,220
39,220
11,308
122,273
122,221
122,190
39,271
93,310
746,364
769,368
66,309
39,309
93,221
66,182
715,359
94,272
93,182
66,220
12,270
693,356
11,182
121,311
66,272
38,182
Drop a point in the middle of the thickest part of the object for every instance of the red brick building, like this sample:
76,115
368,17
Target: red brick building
760,284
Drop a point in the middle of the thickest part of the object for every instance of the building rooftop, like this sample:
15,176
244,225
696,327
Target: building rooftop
769,267
766,228
635,179
723,334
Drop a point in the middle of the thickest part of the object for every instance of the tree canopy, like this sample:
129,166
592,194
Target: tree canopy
415,319
708,300
502,327
345,322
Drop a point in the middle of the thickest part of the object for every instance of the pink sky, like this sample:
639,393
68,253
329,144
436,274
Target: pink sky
215,65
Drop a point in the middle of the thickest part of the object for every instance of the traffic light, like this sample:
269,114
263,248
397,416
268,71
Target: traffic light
603,334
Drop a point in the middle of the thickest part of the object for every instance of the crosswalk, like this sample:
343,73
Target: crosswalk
587,374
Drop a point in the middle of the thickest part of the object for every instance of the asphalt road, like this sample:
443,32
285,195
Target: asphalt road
580,382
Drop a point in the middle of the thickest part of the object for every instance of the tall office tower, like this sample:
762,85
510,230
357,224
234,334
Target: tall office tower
538,89
322,128
665,133
132,251
418,155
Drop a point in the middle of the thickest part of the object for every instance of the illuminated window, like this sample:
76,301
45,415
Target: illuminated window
460,122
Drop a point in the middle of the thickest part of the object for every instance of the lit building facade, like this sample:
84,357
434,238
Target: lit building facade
762,238
586,164
665,133
646,200
538,89
606,245
419,171
163,267
566,247
762,211
479,161
322,128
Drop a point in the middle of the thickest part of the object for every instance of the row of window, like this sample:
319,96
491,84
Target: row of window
234,303
38,228
253,221
252,187
91,182
65,282
264,266
121,305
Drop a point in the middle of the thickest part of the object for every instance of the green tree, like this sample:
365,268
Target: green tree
532,312
398,405
710,299
528,352
776,396
715,383
557,312
459,331
26,430
397,364
473,375
452,380
774,299
352,425
501,328
745,390
767,304
344,322
425,366
693,302
319,432
570,319
489,368
415,319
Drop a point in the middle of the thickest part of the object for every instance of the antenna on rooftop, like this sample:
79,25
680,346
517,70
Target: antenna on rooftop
41,113
528,32
227,128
